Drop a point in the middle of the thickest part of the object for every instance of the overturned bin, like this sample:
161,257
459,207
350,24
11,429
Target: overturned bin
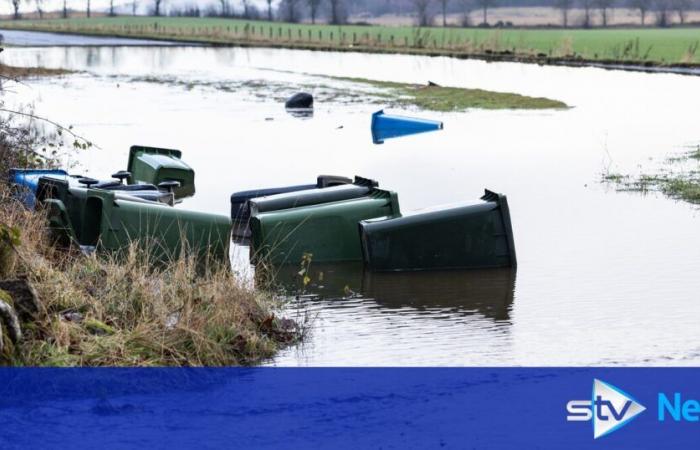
460,237
327,231
152,165
240,208
104,220
359,188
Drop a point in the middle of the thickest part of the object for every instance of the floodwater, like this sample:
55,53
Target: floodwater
41,39
603,278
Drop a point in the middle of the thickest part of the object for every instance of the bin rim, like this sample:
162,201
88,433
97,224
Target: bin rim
134,149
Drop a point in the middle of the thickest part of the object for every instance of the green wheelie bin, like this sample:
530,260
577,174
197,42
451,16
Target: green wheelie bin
154,165
327,231
458,237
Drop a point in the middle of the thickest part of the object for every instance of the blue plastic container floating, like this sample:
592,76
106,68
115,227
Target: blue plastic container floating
26,182
385,126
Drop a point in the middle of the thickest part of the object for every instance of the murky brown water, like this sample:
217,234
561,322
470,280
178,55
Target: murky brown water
603,277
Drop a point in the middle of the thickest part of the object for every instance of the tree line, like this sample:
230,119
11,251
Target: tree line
336,11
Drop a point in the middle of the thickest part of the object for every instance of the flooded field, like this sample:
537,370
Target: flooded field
604,277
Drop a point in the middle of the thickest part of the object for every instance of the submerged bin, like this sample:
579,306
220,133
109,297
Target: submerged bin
240,211
25,183
154,166
385,126
471,236
327,231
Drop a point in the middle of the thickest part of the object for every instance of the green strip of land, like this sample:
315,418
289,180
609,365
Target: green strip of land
646,46
447,99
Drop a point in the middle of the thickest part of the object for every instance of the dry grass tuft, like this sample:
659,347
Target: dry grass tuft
108,311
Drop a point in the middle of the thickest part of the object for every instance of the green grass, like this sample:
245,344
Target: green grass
655,46
681,181
439,98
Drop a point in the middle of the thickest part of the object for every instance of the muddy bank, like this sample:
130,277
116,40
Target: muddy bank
28,72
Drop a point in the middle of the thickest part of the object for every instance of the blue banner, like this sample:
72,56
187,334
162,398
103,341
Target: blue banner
479,408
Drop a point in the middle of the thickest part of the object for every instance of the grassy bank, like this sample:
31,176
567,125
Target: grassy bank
100,311
679,179
675,46
440,98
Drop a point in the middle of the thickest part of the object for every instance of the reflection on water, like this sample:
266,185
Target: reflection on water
603,277
301,113
487,292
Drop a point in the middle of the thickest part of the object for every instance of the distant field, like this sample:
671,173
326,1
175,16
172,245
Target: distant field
631,45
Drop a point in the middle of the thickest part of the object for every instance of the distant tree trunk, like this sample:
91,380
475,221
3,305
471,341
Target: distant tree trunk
587,5
88,9
682,7
444,12
313,9
485,5
15,5
466,11
604,5
65,10
269,10
133,8
422,12
246,9
662,8
564,6
111,8
643,7
291,6
157,3
224,8
335,11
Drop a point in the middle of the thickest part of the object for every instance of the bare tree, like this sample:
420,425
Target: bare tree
88,9
443,4
134,5
289,10
111,8
40,8
335,12
603,6
662,13
422,16
485,5
64,12
587,6
15,6
246,9
225,7
466,11
681,7
313,9
156,7
643,7
564,6
269,10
